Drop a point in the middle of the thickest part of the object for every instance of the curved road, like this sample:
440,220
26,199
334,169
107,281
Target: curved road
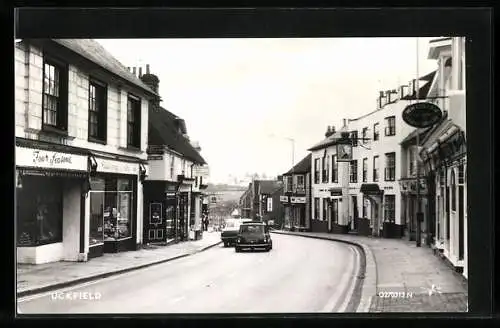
298,275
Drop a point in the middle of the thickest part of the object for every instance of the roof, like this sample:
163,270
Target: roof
95,52
268,186
328,141
303,166
412,135
163,131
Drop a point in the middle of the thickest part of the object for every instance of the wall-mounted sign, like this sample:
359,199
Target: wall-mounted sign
111,166
155,157
284,199
29,157
422,115
269,204
298,200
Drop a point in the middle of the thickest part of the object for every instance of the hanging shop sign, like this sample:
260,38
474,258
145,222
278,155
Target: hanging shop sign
422,115
344,152
298,200
37,158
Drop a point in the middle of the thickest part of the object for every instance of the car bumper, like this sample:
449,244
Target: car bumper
230,239
251,245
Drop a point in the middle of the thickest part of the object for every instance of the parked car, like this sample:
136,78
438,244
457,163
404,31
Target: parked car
254,235
230,232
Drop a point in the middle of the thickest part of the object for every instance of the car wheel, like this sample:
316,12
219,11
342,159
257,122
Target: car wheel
237,249
225,244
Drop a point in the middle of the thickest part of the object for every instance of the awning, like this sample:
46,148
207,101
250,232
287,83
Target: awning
370,188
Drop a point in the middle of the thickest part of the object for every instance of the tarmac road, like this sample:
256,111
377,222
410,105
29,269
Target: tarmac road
297,275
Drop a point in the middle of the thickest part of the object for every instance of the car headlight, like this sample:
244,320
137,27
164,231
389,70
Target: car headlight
239,240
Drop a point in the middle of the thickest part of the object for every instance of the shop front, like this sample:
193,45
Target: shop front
373,206
115,206
160,212
410,205
298,206
50,188
335,212
185,229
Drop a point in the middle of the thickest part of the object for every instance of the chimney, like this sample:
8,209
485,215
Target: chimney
140,72
345,122
128,68
150,80
332,131
328,131
134,70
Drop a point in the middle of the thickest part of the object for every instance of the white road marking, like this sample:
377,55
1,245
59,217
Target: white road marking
343,282
349,293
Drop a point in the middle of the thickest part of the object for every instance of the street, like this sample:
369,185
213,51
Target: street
298,275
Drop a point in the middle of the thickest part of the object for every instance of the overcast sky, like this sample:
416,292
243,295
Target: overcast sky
235,93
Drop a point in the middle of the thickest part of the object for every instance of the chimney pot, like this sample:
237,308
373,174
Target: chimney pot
147,68
140,71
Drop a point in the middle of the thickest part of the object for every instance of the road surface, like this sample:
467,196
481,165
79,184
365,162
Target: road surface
298,275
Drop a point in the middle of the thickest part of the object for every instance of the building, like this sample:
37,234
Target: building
81,138
444,151
270,207
296,196
246,202
173,199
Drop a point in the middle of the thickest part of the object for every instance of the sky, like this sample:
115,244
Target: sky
243,99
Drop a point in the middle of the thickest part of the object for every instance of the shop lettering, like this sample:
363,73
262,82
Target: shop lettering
55,159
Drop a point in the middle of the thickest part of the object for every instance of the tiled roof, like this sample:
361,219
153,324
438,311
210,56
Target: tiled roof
268,186
163,130
303,166
95,52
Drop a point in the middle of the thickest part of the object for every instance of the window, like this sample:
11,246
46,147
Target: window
390,166
326,168
172,166
325,209
289,184
111,209
353,172
335,169
300,181
411,161
390,208
354,136
453,191
390,129
97,111
39,211
316,208
375,168
376,132
335,211
365,209
55,100
364,135
316,170
133,121
365,169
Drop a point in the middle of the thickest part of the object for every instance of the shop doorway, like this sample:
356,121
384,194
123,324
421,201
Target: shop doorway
355,212
155,223
183,217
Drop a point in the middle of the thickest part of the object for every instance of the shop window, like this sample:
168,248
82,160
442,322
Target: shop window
316,208
110,209
325,208
55,90
39,211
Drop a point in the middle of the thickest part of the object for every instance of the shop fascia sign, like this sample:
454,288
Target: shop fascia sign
38,158
284,199
422,114
298,200
111,166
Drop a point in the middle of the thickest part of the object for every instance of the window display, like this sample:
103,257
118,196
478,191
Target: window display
39,211
114,197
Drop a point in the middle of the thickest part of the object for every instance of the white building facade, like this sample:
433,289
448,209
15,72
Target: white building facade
81,138
445,153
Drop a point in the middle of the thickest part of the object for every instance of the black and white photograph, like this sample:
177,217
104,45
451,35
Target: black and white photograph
241,175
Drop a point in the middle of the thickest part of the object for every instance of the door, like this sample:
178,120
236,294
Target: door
302,216
155,223
355,212
183,216
461,222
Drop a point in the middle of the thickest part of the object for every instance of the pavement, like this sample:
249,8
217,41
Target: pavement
299,275
32,279
400,277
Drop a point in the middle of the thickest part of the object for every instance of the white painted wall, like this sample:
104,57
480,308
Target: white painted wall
71,220
28,103
41,254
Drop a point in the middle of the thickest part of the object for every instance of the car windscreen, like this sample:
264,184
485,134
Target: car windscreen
252,229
